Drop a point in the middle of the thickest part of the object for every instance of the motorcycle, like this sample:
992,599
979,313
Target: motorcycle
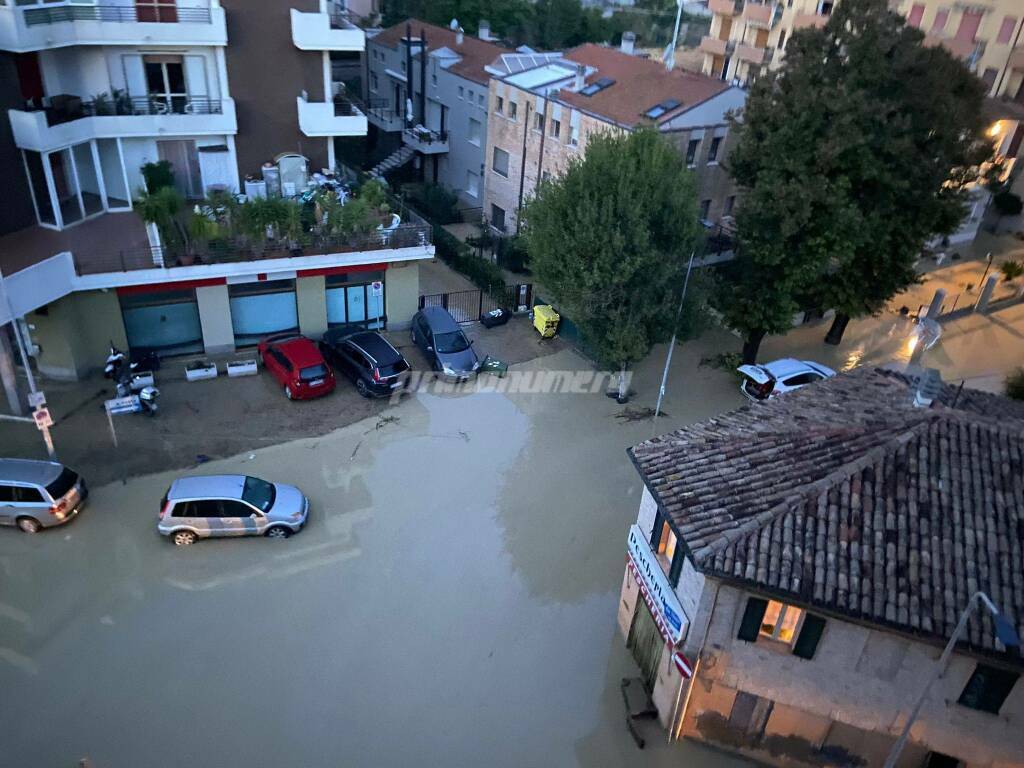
130,377
143,402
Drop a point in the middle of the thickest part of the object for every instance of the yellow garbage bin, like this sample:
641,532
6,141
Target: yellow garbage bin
545,320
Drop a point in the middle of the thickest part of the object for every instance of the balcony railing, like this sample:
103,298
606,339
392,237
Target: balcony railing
161,14
64,109
226,252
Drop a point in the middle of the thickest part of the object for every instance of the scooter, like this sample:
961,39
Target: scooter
144,402
130,377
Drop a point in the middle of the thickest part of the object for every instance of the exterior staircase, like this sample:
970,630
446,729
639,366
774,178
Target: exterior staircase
398,158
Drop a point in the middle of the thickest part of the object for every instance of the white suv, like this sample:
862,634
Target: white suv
780,376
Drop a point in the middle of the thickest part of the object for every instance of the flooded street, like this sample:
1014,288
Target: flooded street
451,602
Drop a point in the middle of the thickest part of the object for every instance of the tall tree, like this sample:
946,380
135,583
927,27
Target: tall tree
854,155
611,238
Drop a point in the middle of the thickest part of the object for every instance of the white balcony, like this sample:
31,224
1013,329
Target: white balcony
327,118
425,141
117,22
42,131
326,32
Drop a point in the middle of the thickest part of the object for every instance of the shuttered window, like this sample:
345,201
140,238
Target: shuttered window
752,615
988,688
810,634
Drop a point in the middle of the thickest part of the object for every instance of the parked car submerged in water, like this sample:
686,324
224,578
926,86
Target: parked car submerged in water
780,376
209,506
39,494
441,339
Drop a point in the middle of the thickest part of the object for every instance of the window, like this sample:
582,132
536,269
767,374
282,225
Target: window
497,217
556,128
939,760
65,482
500,162
989,78
472,184
987,689
165,83
474,132
780,621
1006,30
545,175
800,379
6,494
433,79
730,202
574,135
915,15
772,621
259,493
499,105
716,142
231,508
782,40
691,152
666,548
705,209
941,17
403,65
469,95
480,101
22,494
374,82
538,122
460,92
513,109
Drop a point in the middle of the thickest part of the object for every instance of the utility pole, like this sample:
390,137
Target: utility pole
36,398
671,346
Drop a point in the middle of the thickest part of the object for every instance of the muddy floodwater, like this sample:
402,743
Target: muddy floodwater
451,603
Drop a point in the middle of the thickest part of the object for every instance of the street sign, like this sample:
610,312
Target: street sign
37,399
43,418
376,288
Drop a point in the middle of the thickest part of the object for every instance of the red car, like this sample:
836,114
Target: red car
298,366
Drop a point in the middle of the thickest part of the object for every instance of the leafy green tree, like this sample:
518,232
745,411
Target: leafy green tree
611,238
853,156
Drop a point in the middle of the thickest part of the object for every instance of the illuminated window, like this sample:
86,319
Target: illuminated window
666,547
780,622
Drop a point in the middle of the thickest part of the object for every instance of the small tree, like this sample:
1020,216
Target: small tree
611,238
1011,270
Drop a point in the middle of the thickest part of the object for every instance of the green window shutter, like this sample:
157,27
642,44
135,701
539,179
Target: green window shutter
677,566
752,617
810,634
659,523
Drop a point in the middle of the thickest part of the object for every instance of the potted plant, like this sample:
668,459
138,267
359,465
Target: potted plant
200,369
242,367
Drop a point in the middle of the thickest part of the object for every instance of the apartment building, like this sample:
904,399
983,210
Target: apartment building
544,109
747,35
798,566
432,109
221,90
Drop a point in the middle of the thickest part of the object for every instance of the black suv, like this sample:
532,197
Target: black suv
366,357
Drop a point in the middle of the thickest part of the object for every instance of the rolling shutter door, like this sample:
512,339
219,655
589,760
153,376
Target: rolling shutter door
166,322
261,308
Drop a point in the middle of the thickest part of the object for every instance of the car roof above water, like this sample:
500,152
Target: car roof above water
29,471
207,486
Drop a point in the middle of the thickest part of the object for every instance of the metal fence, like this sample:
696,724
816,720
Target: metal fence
470,306
221,252
64,109
161,14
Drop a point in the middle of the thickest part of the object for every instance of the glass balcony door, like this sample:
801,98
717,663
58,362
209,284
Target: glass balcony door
165,11
165,84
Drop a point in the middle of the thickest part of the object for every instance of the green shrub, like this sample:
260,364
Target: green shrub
1011,270
461,258
1015,384
158,175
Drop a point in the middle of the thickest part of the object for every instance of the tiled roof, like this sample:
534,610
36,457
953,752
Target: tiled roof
639,85
476,53
845,496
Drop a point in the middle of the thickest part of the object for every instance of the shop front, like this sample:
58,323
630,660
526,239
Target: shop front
260,308
162,321
654,624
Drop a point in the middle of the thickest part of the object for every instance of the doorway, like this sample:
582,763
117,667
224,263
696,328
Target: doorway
165,83
156,10
645,642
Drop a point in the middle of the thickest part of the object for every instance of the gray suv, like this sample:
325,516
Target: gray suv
230,505
450,353
39,494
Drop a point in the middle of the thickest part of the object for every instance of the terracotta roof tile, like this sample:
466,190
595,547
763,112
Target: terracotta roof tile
846,496
639,85
476,53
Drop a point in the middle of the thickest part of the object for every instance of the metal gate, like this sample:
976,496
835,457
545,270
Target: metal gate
469,306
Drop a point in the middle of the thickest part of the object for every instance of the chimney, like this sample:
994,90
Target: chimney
459,36
485,29
929,385
581,76
628,41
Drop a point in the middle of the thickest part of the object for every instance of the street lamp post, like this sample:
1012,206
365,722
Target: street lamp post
1005,632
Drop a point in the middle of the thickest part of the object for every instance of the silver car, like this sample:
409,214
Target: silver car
230,505
39,494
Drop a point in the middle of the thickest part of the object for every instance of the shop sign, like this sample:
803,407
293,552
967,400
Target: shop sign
654,586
